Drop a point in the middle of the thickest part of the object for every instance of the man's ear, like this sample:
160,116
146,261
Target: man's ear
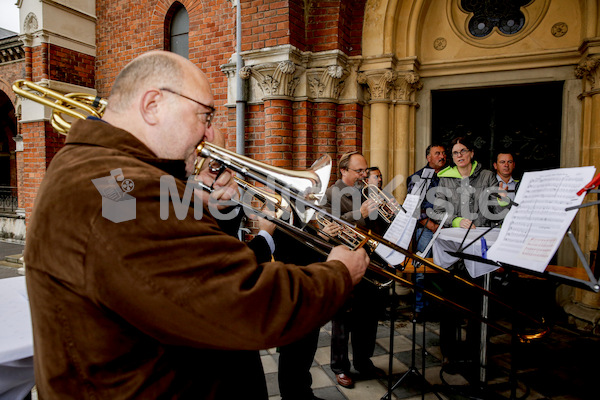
496,166
150,103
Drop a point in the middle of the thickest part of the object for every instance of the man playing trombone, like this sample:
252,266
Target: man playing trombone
162,305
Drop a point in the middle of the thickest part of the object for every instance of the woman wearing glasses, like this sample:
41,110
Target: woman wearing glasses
466,190
465,193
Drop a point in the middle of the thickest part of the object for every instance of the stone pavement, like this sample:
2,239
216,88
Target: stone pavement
12,250
560,366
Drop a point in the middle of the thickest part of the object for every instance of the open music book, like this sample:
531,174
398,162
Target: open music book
532,231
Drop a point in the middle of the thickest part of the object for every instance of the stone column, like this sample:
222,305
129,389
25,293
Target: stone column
380,85
404,107
585,305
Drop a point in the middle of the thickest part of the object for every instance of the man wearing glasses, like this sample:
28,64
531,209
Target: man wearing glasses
358,319
159,306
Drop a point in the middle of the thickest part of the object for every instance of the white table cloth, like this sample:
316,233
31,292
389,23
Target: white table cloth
16,340
450,239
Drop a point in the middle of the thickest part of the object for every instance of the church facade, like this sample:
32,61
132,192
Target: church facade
385,77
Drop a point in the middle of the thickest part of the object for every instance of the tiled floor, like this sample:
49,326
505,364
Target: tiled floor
563,365
560,366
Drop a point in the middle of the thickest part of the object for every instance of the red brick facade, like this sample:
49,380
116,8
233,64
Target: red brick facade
280,131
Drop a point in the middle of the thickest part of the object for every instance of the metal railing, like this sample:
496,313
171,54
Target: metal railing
8,199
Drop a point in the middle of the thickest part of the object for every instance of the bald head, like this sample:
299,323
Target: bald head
153,69
165,101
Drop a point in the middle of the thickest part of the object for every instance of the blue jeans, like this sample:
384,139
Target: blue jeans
424,236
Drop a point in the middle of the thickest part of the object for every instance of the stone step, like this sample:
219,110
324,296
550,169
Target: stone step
15,260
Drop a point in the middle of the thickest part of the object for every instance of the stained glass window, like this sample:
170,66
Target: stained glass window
506,15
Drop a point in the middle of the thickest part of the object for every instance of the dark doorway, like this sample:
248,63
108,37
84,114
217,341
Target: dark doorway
8,130
525,120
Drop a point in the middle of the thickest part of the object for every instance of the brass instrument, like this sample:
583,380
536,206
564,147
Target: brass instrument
302,191
355,240
350,237
273,201
310,184
75,105
387,206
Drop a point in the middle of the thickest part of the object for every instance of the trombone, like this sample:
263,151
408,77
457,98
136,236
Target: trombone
303,192
75,105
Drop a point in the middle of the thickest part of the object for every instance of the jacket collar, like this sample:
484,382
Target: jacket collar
452,172
97,132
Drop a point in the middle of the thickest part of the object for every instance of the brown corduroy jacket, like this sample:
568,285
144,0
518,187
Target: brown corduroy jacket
153,308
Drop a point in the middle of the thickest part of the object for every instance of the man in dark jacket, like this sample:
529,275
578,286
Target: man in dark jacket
358,319
161,303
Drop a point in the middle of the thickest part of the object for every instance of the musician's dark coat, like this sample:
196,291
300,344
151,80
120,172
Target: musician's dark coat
151,308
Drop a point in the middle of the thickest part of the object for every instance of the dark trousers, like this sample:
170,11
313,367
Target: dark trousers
295,360
357,321
455,345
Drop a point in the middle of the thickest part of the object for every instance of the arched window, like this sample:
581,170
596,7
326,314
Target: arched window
179,29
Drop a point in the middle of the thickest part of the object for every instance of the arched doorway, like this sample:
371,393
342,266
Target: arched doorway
8,173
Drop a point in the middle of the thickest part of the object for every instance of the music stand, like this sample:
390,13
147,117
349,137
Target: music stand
591,284
412,370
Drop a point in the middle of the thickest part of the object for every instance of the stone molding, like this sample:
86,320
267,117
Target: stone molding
406,85
277,80
588,70
286,72
11,49
380,84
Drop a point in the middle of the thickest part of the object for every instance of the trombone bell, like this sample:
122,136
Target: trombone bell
310,184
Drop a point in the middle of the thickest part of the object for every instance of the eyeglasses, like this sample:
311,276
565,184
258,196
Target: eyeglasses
460,153
358,171
208,115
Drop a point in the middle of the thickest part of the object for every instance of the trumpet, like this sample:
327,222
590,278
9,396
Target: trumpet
350,237
387,207
298,192
355,240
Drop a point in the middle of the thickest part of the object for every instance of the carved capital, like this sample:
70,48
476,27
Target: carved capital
379,83
275,80
406,84
588,70
326,83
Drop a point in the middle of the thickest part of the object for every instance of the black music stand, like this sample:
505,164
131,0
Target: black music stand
592,284
412,370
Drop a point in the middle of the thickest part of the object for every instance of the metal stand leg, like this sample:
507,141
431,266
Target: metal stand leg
412,370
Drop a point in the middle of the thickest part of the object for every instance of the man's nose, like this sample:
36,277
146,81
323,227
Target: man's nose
209,134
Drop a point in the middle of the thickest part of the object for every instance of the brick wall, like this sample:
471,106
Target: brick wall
127,29
71,66
40,144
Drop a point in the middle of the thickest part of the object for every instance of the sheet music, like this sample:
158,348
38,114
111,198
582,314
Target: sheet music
532,232
400,231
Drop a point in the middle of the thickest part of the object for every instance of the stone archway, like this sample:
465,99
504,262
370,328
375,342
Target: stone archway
425,43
